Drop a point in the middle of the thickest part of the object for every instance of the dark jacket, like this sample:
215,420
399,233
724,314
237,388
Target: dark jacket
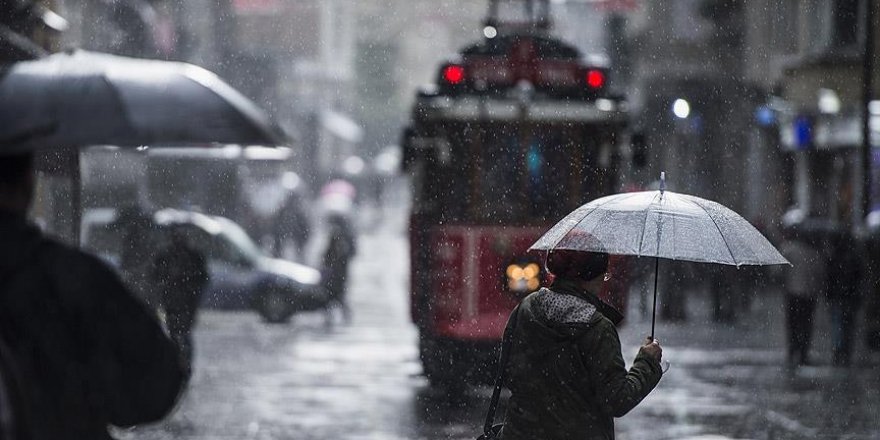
845,271
181,274
88,352
566,372
341,248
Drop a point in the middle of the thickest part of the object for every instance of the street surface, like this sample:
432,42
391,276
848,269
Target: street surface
306,380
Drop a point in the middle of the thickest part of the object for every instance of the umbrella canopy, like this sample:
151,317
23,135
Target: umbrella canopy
79,98
662,224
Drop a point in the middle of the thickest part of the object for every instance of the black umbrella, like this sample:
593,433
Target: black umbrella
80,98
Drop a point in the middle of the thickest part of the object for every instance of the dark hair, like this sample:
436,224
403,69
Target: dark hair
566,263
15,168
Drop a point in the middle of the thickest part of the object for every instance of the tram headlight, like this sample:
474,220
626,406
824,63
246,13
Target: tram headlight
523,278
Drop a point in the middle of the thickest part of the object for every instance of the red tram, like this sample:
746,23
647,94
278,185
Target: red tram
518,131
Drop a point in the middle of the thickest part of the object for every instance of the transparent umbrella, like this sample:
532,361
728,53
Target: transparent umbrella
661,224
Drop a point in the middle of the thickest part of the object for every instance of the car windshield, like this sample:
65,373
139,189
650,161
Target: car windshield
241,241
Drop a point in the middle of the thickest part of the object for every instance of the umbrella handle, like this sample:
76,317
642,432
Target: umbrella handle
654,308
657,263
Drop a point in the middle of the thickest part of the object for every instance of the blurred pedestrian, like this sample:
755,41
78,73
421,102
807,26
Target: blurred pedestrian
843,293
725,287
565,368
676,283
871,335
89,354
803,282
138,248
180,274
341,248
338,196
292,226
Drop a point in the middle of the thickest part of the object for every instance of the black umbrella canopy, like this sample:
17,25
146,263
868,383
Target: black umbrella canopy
80,98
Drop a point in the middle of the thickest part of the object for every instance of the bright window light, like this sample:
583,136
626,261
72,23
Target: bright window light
681,108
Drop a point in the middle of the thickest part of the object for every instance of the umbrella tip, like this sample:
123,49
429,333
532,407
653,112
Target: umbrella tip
662,181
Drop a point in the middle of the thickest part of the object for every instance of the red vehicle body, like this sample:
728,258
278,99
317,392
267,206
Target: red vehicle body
519,131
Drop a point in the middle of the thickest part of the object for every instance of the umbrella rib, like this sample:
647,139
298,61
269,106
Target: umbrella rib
724,239
645,230
245,110
126,114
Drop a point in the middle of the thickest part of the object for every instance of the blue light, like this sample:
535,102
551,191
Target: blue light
764,116
803,132
534,161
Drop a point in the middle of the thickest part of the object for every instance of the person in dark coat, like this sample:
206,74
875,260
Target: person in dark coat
871,333
180,274
843,293
340,249
89,354
292,225
566,372
138,234
803,283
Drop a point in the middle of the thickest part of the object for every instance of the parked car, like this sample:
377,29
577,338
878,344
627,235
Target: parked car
241,275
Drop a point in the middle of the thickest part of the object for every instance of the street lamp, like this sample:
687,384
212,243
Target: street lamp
681,108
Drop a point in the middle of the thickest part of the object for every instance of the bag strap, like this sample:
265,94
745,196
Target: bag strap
502,370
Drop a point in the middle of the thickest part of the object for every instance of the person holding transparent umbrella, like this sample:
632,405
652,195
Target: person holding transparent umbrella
567,374
803,283
658,224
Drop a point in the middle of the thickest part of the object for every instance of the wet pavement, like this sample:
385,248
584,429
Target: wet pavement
361,380
731,381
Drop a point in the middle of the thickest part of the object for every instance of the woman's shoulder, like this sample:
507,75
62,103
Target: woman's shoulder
562,308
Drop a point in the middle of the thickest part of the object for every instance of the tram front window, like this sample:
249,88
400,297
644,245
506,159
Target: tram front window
508,174
521,177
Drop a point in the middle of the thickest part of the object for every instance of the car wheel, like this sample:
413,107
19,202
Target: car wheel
275,307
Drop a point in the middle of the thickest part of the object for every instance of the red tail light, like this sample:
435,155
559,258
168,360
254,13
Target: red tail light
453,74
595,78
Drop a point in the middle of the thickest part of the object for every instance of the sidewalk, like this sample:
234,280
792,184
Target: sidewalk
729,381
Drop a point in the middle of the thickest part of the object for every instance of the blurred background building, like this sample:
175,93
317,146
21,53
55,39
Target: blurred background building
726,92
